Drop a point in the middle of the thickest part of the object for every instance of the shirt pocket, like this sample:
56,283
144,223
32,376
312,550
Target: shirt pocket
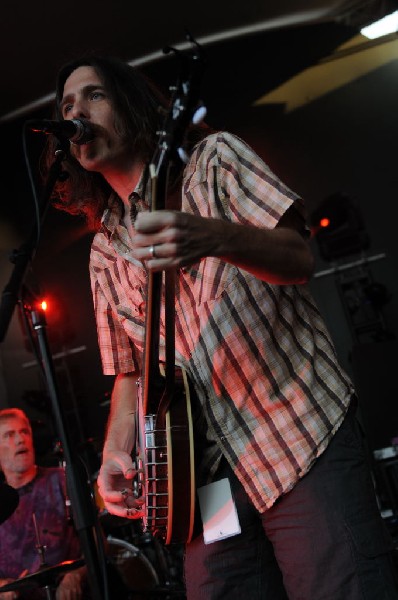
209,279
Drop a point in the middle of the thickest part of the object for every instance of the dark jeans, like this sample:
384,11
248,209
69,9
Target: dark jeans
324,540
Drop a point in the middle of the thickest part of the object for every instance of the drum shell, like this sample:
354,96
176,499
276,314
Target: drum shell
134,569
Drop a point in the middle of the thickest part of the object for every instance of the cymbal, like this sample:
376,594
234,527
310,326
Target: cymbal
43,577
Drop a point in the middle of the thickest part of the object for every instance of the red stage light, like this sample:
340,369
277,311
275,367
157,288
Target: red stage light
325,222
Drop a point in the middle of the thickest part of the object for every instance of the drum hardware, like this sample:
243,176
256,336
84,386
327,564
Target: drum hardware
39,546
45,577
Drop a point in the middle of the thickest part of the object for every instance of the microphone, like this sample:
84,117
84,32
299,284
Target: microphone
77,131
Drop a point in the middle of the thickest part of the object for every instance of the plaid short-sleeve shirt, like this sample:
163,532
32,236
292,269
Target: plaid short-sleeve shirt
269,387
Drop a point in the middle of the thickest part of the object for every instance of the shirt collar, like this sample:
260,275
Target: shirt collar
114,212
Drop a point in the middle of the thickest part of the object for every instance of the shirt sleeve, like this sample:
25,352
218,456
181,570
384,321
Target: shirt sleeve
252,193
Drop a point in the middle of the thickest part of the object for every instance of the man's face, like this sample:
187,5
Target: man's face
16,445
84,96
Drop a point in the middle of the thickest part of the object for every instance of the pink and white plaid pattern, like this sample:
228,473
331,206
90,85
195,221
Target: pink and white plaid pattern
265,372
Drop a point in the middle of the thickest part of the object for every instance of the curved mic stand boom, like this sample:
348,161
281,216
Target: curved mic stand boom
85,518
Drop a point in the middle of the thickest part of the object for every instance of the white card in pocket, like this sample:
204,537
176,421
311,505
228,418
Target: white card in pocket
218,511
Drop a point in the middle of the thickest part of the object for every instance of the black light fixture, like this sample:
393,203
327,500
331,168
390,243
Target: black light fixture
338,227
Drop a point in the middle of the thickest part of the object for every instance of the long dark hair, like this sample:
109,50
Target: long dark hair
139,112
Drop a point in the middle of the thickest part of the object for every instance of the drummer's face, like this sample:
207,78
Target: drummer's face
16,445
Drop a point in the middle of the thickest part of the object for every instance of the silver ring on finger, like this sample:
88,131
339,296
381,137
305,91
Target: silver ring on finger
152,251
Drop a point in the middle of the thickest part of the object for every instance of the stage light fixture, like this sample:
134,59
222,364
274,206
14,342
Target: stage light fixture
338,228
384,26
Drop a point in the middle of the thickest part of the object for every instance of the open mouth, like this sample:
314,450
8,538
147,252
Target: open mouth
23,451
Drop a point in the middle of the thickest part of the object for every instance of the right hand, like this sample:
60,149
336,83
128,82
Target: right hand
115,485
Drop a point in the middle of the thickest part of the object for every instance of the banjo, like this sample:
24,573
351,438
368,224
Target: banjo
165,452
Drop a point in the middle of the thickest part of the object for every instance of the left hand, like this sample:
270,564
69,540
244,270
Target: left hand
70,587
178,238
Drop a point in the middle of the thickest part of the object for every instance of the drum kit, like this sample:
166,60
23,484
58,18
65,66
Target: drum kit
140,566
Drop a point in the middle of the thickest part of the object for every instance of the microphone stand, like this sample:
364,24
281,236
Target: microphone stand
22,257
85,518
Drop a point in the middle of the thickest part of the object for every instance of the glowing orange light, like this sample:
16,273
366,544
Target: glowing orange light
325,222
43,305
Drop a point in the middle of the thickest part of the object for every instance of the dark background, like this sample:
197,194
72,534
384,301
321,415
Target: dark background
340,138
